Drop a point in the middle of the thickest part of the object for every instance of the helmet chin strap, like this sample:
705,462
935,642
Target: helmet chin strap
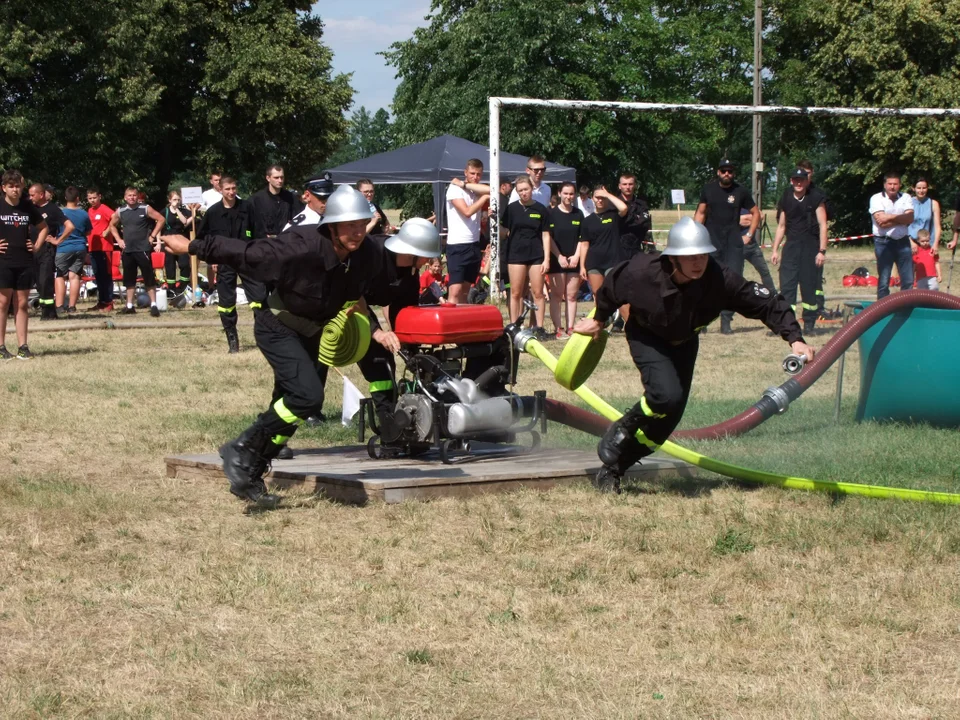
678,271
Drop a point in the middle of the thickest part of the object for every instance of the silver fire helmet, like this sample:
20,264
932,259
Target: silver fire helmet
346,204
688,237
416,237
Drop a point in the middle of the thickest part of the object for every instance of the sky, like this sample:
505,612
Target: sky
356,32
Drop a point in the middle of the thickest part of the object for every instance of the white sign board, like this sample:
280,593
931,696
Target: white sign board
190,195
676,197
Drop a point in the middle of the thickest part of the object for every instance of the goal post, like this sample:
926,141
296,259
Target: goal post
496,103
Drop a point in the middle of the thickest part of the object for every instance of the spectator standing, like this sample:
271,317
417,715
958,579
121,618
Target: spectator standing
101,248
926,263
719,210
601,250
752,252
566,224
635,226
892,213
71,252
232,218
527,226
136,237
314,199
17,217
45,252
213,195
585,202
926,214
465,200
176,221
273,207
536,171
378,225
804,222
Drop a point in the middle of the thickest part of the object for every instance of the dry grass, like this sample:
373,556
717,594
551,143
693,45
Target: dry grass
127,594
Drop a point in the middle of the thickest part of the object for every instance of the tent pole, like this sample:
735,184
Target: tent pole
494,207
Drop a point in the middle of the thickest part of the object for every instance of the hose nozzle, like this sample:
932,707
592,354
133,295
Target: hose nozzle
793,364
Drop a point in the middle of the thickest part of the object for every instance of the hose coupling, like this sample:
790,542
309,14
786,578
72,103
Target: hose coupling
521,339
793,364
779,398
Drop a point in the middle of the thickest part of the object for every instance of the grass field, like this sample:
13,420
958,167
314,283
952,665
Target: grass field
125,594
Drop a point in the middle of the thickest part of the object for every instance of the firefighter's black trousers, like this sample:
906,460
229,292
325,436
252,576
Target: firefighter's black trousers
799,267
666,372
227,295
379,370
46,269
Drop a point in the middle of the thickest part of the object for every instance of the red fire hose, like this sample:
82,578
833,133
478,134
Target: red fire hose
775,400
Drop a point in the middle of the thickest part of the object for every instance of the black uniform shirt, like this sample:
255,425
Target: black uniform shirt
272,212
801,218
301,266
724,204
827,205
172,224
15,225
635,225
54,218
565,228
675,312
235,222
526,224
602,231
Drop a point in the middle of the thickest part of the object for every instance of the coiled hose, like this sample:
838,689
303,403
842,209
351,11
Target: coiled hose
345,339
596,425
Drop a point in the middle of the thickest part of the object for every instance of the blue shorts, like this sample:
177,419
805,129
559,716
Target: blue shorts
463,263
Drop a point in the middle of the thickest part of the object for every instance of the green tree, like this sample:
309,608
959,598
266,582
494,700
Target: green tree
366,135
868,53
595,50
167,87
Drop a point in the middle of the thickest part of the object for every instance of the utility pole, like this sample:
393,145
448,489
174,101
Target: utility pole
757,154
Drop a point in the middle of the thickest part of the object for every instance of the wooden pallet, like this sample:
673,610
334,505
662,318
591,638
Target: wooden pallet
348,474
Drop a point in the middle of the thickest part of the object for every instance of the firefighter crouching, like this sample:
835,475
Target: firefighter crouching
672,295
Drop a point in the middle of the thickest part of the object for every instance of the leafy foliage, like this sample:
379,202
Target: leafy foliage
111,93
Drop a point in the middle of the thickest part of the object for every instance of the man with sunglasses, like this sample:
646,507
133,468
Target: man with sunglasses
536,170
719,210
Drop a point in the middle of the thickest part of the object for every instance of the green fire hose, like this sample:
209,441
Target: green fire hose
756,476
345,339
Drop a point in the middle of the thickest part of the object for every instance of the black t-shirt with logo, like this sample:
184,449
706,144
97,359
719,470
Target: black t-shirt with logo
526,224
723,207
54,218
602,231
15,225
565,227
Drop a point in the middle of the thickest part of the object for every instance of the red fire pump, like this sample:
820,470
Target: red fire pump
459,360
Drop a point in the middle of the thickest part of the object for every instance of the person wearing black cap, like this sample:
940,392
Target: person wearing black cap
804,222
314,198
719,210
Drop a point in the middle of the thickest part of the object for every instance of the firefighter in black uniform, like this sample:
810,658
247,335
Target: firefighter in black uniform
403,256
273,207
311,272
803,218
672,295
232,218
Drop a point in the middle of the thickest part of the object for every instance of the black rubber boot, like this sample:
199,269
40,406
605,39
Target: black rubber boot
607,480
809,327
619,444
725,328
233,341
285,453
245,461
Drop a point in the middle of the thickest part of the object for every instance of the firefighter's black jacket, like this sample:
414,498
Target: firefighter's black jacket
302,268
675,312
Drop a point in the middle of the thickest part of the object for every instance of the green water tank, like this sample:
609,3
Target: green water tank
909,368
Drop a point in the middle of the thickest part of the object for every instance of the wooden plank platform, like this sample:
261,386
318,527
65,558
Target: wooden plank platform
348,474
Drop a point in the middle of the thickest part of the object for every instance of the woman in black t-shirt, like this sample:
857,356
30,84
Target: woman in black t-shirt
566,222
177,221
600,251
527,227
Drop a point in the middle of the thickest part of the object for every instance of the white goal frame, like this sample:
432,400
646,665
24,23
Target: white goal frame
496,103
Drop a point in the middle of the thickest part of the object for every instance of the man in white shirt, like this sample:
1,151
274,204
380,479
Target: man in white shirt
314,198
212,196
536,167
465,200
892,213
585,202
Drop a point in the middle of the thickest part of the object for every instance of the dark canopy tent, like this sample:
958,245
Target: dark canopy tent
438,161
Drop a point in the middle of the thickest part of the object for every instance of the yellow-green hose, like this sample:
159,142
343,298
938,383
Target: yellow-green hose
345,339
757,476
